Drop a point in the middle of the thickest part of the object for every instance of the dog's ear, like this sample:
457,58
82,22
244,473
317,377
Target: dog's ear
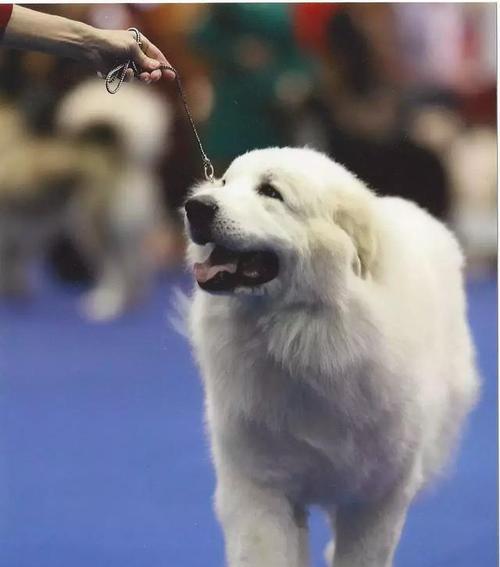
356,218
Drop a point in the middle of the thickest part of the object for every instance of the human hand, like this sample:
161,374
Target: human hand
113,47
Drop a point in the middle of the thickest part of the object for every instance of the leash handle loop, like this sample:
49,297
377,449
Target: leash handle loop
115,78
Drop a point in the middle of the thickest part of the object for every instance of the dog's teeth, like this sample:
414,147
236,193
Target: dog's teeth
251,273
205,252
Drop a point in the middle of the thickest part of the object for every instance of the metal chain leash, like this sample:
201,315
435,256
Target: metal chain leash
208,168
115,78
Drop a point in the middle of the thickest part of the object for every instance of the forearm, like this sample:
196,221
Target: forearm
102,49
28,29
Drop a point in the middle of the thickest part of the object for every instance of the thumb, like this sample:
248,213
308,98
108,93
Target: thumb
143,61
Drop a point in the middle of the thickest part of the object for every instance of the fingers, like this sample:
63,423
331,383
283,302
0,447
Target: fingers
156,75
152,77
157,54
153,54
143,61
144,78
149,60
168,74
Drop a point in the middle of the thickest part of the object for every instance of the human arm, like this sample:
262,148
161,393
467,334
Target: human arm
102,49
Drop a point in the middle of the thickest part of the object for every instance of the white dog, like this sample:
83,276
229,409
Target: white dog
96,182
330,329
137,123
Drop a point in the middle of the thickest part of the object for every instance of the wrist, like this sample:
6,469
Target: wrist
89,42
72,39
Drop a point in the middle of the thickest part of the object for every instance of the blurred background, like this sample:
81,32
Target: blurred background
104,461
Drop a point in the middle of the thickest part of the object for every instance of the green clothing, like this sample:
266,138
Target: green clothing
246,114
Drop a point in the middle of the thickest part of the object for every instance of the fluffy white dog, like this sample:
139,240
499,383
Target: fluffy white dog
331,332
96,182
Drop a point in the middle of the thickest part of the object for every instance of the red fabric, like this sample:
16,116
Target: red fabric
311,24
5,13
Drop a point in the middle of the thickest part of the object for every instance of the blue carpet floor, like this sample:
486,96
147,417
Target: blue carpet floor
104,463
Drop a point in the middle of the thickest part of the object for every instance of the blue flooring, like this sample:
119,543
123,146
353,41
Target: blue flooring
104,461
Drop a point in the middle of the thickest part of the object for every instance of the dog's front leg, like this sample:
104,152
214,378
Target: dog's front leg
261,527
367,535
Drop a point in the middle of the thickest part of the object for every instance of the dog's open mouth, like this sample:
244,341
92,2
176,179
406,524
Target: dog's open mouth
225,269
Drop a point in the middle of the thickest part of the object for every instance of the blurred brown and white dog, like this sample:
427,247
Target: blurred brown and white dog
96,181
330,327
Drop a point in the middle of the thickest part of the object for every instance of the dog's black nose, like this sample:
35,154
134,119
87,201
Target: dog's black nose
200,212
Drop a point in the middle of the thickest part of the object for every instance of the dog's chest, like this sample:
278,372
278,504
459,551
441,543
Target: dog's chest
312,454
286,434
316,441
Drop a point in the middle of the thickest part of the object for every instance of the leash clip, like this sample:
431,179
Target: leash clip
208,168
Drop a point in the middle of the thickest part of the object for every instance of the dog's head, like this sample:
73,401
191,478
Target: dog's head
280,221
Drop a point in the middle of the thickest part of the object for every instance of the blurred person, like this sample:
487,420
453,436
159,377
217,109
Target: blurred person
469,154
250,51
449,56
472,161
357,111
450,59
22,28
447,46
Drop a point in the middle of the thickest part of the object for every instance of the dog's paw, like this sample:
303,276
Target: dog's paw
102,305
329,553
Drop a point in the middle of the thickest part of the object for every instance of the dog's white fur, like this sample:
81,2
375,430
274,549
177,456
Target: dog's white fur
345,381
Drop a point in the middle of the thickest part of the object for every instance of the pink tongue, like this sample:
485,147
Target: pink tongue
205,271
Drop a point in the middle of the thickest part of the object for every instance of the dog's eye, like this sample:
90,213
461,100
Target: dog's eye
223,181
268,190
